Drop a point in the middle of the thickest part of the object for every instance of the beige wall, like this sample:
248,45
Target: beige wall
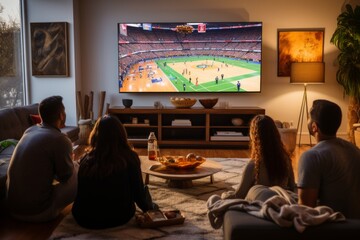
95,41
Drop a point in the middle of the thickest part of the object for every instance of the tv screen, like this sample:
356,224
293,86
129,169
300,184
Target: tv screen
189,57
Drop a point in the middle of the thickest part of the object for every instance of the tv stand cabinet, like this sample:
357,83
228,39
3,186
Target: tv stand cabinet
205,123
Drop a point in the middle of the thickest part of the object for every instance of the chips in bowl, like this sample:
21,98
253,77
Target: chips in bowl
181,162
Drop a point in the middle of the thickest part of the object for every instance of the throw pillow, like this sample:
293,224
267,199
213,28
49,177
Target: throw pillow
35,118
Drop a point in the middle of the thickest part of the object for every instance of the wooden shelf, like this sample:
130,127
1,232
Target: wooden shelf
204,124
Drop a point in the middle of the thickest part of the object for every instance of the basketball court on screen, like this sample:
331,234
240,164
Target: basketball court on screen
197,75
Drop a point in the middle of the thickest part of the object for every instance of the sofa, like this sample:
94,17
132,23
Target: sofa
13,123
241,225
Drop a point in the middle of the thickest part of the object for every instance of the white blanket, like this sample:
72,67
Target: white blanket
278,209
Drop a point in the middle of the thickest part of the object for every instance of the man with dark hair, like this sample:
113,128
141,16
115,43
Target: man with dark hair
42,176
328,173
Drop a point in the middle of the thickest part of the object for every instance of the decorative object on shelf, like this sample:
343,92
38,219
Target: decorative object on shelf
306,73
101,103
224,104
158,105
85,126
299,45
182,102
49,49
127,102
184,29
237,121
85,107
208,102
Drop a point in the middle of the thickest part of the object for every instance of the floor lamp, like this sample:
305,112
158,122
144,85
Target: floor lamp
306,73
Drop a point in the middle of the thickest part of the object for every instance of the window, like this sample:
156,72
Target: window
11,71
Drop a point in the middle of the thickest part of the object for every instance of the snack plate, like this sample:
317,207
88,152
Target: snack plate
180,162
157,218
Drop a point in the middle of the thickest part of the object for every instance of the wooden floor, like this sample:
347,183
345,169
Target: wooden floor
11,229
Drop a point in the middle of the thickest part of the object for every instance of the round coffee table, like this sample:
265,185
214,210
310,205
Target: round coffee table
179,178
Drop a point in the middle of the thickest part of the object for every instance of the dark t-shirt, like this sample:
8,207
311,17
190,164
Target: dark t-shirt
333,167
109,201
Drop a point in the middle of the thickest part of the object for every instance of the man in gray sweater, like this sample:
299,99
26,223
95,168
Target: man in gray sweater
42,176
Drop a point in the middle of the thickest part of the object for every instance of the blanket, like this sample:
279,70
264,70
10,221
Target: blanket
280,209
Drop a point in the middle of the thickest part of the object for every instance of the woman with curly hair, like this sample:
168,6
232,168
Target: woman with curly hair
270,163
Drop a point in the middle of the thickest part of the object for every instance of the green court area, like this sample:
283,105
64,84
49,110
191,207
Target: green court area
199,74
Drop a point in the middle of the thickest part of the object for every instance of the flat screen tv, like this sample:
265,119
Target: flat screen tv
207,57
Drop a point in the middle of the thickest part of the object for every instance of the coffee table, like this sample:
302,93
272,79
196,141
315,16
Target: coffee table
178,178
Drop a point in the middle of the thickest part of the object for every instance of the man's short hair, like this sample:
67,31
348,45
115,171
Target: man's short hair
327,115
50,109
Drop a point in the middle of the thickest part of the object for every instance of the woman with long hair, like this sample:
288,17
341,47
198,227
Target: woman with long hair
270,163
109,179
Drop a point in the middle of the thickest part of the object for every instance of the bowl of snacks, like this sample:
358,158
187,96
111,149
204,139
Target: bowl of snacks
182,102
189,161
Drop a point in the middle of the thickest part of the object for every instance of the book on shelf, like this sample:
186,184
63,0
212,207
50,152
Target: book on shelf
229,138
181,122
137,138
136,124
228,133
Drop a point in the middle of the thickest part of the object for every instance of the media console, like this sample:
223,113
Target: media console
204,125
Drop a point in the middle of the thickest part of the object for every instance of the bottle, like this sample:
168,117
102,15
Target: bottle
152,146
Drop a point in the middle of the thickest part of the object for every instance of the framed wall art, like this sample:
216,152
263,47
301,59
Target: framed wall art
49,49
299,45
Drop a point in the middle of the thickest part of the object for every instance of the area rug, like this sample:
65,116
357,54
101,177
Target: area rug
190,201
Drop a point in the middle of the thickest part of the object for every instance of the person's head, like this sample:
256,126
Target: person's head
108,130
325,118
264,135
52,111
267,148
109,147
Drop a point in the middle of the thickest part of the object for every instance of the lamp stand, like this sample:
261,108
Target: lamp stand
304,107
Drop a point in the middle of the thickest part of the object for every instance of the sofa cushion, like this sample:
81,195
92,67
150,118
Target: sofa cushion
9,123
241,225
23,114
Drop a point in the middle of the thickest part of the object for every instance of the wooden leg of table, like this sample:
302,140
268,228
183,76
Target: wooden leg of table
211,178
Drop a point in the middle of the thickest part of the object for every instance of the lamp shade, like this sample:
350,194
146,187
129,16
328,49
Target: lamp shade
307,72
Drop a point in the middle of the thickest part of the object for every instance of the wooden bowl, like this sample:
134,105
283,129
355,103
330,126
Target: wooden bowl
183,102
208,102
127,102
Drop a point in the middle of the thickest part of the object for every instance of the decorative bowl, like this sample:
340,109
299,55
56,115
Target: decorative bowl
208,102
182,102
181,162
237,121
127,102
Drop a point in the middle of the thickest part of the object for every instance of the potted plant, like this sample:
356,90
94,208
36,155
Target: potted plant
347,39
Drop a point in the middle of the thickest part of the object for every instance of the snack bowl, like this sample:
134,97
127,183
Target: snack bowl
181,162
182,102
